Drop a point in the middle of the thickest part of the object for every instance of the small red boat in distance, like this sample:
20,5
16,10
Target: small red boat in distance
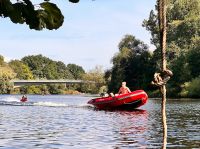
24,99
128,101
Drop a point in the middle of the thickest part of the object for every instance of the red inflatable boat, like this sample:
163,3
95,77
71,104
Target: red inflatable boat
128,101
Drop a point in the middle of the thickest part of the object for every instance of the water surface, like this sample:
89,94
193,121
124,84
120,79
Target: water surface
62,122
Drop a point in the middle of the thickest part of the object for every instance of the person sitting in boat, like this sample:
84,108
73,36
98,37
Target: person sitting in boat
24,98
104,94
124,89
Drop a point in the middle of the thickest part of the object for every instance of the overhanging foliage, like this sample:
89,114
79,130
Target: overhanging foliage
37,16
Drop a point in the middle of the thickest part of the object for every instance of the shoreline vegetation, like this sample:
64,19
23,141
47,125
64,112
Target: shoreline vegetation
10,71
134,63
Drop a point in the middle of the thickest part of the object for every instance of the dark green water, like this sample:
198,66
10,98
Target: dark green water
67,122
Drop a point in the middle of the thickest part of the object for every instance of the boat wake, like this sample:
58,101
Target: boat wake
50,104
16,102
10,99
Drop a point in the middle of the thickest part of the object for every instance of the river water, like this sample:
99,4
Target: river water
67,122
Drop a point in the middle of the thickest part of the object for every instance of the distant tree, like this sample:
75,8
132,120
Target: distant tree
22,71
76,71
64,71
191,89
33,90
132,64
107,76
182,21
36,63
1,60
56,89
43,67
96,76
37,16
183,27
183,35
181,71
49,71
194,61
6,74
44,89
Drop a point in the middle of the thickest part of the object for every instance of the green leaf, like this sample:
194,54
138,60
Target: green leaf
74,1
50,16
5,8
16,14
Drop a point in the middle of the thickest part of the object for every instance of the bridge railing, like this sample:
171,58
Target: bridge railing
40,82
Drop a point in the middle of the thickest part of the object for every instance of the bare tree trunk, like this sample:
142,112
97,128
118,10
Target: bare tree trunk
163,33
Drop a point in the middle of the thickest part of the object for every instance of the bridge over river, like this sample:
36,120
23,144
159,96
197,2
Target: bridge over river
18,83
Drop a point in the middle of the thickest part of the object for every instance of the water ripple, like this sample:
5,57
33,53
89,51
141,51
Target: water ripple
61,122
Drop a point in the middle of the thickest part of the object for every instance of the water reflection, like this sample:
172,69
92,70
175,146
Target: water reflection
81,126
132,126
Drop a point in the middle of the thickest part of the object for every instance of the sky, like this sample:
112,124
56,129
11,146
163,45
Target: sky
89,36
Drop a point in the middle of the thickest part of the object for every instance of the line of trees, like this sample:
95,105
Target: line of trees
41,67
135,64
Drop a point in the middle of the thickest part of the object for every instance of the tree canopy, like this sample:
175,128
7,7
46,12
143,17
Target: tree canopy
37,16
41,67
22,70
135,64
6,74
183,37
1,60
45,68
131,64
97,76
76,71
